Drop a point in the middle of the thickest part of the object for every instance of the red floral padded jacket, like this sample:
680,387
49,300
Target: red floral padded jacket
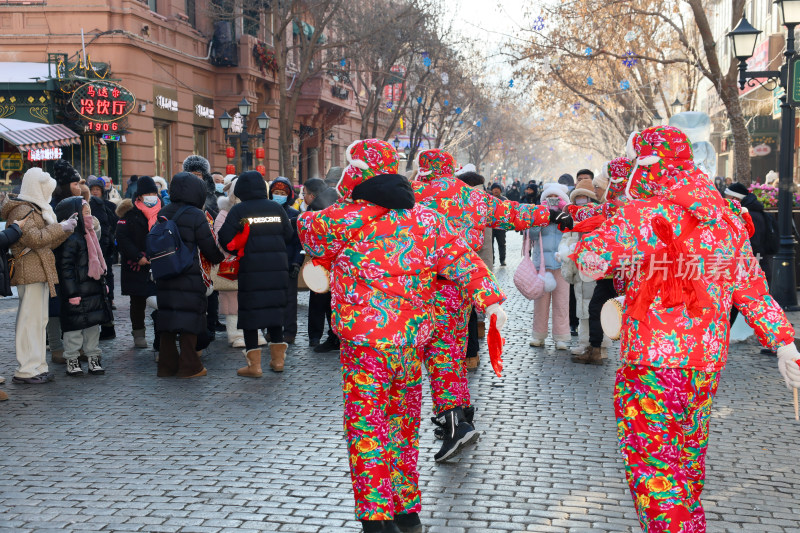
383,264
696,253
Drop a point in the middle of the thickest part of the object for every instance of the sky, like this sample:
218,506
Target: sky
491,22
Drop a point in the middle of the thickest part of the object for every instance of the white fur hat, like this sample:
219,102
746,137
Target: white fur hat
555,189
37,187
161,182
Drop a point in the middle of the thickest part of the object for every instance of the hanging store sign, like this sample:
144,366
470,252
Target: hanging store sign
11,161
165,103
102,102
44,154
203,111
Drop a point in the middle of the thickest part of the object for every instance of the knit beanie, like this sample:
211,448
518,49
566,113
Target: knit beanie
146,185
64,173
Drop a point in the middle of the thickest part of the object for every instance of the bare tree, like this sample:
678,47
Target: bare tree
662,56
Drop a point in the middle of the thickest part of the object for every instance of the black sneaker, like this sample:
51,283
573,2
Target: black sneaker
95,367
74,368
331,344
408,522
458,434
313,342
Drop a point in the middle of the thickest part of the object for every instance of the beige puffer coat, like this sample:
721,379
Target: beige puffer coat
39,264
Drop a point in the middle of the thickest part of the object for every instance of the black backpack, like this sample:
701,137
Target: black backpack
169,256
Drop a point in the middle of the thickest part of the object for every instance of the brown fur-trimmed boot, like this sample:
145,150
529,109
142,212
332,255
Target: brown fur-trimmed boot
253,368
277,354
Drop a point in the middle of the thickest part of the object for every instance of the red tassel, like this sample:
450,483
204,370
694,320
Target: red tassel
495,342
238,243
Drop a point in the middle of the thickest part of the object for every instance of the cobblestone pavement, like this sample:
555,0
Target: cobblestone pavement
129,452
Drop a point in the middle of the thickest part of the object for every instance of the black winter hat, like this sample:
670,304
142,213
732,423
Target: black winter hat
146,185
64,173
96,182
566,179
496,186
315,186
737,190
473,179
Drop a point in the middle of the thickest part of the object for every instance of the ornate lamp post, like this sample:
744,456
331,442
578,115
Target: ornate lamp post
226,122
744,38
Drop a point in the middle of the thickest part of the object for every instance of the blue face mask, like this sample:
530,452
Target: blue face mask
280,199
220,187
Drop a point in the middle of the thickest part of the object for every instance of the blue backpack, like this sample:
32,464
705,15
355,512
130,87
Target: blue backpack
169,256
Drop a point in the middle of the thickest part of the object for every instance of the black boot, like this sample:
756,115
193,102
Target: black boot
379,526
438,432
469,414
408,522
107,332
458,433
331,344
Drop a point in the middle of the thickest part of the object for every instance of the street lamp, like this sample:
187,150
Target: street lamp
657,119
225,121
244,107
263,121
396,143
743,38
676,106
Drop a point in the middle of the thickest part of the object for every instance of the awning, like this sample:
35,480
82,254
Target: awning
31,136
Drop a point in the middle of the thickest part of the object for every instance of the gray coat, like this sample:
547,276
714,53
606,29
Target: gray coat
551,238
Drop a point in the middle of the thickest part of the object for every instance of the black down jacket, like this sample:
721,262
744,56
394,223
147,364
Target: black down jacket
132,230
264,267
294,249
72,263
182,299
8,236
108,224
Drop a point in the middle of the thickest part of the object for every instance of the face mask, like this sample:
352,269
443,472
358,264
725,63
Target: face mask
220,187
582,200
280,199
150,201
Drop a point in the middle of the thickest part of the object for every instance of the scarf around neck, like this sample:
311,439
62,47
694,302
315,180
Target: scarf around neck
97,264
151,213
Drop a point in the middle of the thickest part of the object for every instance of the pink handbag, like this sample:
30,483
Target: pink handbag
528,281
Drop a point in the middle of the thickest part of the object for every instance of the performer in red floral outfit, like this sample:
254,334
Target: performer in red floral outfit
384,252
687,259
470,211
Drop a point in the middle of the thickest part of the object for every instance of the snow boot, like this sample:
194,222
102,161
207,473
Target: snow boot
253,368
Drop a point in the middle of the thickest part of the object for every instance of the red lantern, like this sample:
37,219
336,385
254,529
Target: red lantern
259,153
262,169
230,169
230,151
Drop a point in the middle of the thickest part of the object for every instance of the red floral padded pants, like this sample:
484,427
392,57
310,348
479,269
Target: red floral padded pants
662,423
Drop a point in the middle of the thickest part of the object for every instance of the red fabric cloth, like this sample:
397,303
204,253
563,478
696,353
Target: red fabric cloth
495,342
